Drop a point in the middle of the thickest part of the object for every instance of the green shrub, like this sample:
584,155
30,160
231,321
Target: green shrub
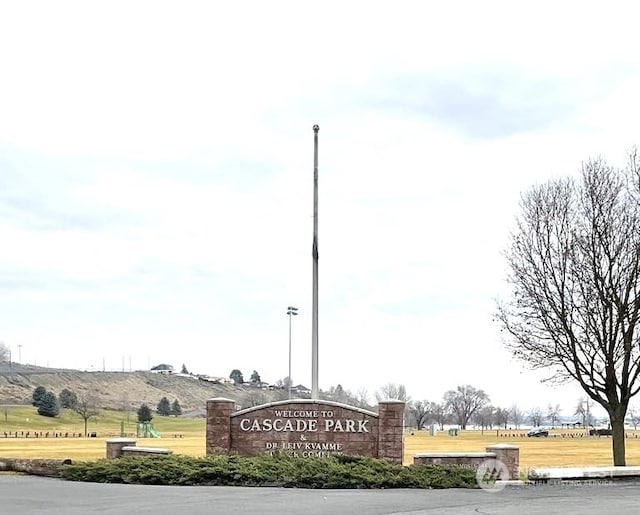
279,470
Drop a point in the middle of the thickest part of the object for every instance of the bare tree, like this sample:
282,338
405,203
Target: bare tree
392,391
553,414
362,398
574,268
485,417
515,416
634,417
338,394
5,352
256,398
126,405
439,414
86,407
536,416
419,411
584,409
463,402
502,417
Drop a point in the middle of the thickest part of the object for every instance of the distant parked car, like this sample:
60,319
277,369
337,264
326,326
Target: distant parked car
600,432
538,431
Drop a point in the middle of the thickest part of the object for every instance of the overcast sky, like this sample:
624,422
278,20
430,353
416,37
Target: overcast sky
156,179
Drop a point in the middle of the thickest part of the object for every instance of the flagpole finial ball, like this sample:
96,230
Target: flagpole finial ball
316,128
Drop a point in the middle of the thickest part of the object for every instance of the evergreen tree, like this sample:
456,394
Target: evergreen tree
49,405
176,410
144,414
38,396
236,375
255,377
164,408
67,399
184,369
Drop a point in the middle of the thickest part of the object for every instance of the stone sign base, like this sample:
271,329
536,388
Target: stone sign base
306,428
505,453
121,447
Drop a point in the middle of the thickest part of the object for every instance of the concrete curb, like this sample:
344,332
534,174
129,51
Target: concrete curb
577,473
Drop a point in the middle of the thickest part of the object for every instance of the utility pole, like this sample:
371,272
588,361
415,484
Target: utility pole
314,318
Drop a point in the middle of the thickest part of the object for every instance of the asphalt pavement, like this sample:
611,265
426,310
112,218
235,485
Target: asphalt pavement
30,495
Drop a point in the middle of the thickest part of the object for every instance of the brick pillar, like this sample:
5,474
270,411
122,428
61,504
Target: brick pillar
510,456
391,430
115,445
218,434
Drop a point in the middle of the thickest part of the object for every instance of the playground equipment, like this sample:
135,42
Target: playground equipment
146,430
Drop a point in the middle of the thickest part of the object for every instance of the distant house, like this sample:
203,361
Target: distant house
162,369
190,376
215,380
301,390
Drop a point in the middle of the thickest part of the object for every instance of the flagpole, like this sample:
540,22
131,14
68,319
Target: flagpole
314,320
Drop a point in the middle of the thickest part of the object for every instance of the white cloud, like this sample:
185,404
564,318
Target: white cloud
156,167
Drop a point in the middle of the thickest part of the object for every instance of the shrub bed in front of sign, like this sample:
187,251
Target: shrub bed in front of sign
339,471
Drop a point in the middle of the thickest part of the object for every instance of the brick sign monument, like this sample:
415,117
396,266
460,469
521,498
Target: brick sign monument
306,428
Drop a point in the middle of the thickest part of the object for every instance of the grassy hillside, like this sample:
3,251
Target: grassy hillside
124,390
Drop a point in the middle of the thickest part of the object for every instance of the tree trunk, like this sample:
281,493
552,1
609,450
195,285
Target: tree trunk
618,441
85,428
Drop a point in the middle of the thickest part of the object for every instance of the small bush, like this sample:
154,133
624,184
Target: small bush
334,472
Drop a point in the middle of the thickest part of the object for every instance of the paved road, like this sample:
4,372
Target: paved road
29,495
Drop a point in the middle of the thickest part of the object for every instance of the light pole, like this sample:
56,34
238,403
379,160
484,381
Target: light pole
291,311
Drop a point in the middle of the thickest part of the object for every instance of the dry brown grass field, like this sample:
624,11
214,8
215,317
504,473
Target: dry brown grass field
556,451
574,449
87,449
182,435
